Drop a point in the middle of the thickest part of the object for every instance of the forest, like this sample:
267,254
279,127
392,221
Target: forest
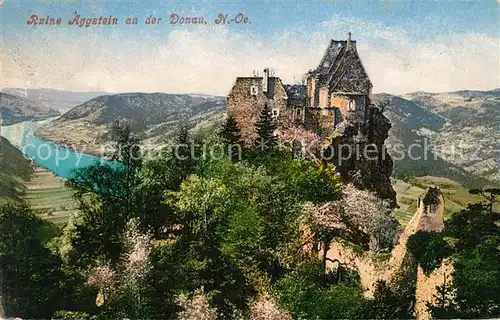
232,235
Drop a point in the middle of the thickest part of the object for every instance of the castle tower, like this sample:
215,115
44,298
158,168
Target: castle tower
339,88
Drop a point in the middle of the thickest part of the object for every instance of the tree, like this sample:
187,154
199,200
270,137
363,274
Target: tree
307,294
205,206
183,157
476,234
107,199
475,280
231,137
443,306
429,249
30,274
266,139
490,194
128,152
360,217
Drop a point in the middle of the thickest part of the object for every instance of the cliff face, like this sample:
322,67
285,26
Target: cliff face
361,156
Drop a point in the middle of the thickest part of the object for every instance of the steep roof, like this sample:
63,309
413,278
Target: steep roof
341,69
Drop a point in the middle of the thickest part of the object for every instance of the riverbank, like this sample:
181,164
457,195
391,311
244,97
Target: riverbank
75,136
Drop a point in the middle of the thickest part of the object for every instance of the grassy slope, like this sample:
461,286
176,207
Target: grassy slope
15,170
48,195
456,196
43,191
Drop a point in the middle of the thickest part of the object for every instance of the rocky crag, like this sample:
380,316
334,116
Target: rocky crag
373,267
358,151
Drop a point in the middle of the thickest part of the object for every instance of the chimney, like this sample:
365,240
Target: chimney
348,40
265,81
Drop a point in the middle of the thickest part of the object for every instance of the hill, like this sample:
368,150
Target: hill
153,116
15,170
456,131
60,100
15,109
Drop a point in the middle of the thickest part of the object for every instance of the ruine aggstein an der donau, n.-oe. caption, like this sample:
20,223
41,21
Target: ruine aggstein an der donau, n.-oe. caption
174,18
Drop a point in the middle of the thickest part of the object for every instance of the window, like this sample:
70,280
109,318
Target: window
275,113
352,105
298,112
254,90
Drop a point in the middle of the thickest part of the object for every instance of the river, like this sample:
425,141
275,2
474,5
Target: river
61,161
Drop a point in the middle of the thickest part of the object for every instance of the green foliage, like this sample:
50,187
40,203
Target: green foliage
30,273
266,140
471,225
490,195
201,221
107,200
306,294
205,206
477,261
443,306
14,169
476,275
389,303
396,300
71,315
475,290
182,159
429,249
231,138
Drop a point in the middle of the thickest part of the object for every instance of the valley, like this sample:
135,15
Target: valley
156,117
153,117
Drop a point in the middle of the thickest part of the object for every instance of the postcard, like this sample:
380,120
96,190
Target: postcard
240,159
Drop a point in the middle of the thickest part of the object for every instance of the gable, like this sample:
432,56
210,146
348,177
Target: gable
350,76
334,50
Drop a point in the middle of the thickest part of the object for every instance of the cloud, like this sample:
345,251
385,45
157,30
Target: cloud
207,59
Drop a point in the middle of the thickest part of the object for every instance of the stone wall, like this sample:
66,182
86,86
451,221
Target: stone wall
246,108
426,287
320,120
341,101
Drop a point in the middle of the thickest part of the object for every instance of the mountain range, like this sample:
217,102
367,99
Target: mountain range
154,117
458,131
59,100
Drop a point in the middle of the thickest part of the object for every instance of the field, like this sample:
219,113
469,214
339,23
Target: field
456,197
48,195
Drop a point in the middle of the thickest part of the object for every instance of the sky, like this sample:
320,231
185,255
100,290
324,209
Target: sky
405,46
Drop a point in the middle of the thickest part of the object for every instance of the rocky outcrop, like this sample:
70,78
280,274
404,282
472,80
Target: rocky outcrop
361,157
373,267
426,287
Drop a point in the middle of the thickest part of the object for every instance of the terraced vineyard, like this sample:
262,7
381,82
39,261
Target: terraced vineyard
47,194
